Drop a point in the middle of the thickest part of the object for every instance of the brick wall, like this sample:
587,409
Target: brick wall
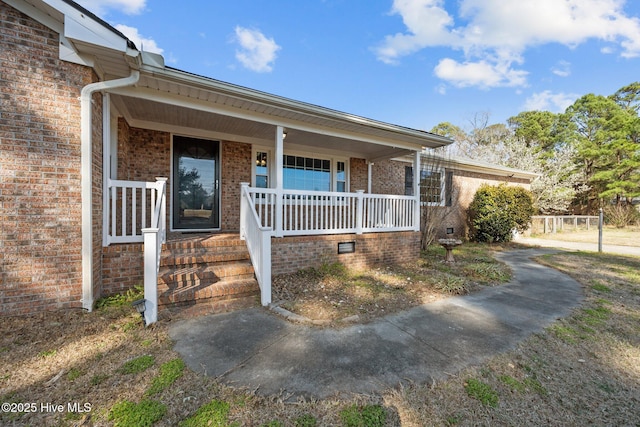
387,177
236,168
358,175
122,267
40,226
290,254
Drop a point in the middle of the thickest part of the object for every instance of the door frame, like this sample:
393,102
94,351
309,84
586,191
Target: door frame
172,195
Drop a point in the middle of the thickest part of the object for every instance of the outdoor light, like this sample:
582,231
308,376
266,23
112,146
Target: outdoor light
140,306
284,134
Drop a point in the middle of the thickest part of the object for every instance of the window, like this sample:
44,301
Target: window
311,174
341,177
262,170
431,185
408,181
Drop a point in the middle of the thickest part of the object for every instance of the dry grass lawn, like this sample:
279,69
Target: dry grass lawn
583,370
629,236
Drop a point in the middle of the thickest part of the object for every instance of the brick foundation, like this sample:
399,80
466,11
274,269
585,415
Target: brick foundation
122,267
290,254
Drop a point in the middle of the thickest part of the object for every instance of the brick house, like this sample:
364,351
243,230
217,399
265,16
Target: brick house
117,170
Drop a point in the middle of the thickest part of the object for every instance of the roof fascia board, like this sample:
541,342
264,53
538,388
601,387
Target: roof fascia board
470,167
181,77
207,106
80,27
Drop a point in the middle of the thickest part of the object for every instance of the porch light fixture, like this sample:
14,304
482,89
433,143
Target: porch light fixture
346,247
140,307
284,134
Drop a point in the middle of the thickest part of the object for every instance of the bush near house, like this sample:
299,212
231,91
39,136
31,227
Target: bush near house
497,210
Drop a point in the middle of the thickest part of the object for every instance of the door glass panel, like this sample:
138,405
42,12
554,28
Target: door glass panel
195,184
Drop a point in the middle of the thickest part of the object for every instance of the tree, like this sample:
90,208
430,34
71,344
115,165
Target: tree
602,132
535,128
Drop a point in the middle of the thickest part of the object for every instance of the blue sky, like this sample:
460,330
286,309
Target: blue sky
414,63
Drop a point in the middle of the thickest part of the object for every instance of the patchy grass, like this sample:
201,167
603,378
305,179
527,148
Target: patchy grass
482,392
582,370
332,292
137,365
169,372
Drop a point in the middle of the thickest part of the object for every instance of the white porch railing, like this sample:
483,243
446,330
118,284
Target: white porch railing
317,212
127,222
130,209
258,240
314,212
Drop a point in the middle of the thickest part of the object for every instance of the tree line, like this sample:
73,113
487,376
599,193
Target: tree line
587,157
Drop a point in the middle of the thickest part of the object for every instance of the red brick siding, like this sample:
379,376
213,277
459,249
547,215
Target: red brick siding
290,254
40,201
387,177
122,267
236,168
358,175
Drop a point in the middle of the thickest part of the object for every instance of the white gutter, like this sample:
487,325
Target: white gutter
86,181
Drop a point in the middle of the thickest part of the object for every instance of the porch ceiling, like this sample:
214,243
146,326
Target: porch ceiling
183,103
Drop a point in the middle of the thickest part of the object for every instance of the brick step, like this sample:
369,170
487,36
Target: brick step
204,273
209,292
204,241
194,256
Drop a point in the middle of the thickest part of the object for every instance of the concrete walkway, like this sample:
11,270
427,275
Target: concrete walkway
256,349
580,246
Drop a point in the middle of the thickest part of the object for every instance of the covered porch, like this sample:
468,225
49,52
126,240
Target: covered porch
253,192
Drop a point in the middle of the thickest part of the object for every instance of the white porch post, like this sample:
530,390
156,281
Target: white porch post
279,181
369,176
106,165
150,274
416,190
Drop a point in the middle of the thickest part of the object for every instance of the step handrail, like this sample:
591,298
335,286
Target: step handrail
258,241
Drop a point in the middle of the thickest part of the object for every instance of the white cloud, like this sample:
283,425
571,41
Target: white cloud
482,73
495,34
549,101
256,52
562,69
141,42
101,7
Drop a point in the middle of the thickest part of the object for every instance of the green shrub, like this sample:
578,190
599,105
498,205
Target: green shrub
498,210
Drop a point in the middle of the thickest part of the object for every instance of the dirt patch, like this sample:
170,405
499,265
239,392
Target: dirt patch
333,295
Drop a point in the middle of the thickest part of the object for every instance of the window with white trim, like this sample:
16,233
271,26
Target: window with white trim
313,174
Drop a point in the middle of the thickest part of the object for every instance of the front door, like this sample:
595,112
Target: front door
196,175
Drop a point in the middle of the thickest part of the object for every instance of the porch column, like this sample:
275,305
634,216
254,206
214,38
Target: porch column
369,176
279,177
416,190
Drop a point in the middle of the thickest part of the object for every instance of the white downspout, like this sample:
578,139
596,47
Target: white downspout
86,178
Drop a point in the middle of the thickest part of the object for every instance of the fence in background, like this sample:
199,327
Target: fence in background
552,224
